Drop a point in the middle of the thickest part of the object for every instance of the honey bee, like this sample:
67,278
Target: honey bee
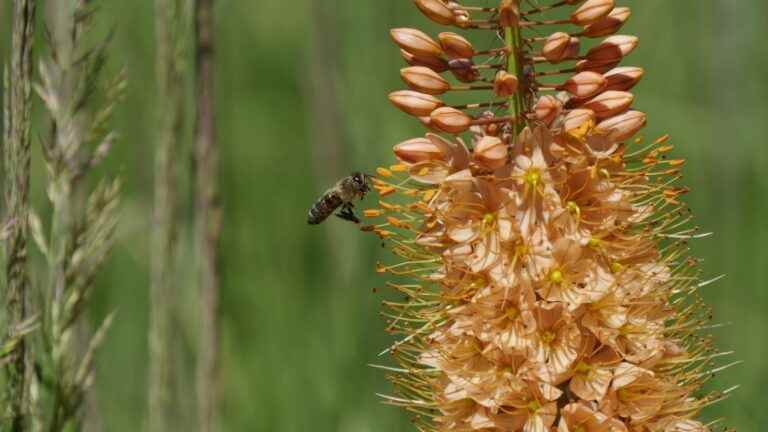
340,195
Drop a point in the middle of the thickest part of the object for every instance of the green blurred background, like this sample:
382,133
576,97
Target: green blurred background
302,101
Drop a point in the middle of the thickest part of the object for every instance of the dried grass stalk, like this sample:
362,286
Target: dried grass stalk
208,216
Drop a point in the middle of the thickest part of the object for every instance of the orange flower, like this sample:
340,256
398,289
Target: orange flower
547,285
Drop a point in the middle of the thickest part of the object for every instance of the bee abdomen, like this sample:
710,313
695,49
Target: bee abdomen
323,208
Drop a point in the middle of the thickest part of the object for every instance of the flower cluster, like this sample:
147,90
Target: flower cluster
550,286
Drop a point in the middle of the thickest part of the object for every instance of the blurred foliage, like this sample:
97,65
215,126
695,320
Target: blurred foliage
299,318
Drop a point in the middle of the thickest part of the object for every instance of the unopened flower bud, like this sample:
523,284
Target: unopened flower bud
613,48
591,11
415,103
622,126
509,13
555,47
572,51
416,42
436,10
418,150
437,64
505,84
584,84
623,78
578,122
600,67
455,46
491,152
609,24
424,80
547,108
450,120
463,71
462,18
609,103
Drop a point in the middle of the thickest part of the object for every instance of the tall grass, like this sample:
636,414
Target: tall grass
171,27
208,217
16,157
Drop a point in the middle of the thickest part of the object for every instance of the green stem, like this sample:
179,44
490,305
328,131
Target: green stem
514,66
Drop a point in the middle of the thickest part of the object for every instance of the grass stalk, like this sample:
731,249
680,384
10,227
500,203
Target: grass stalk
80,103
169,22
16,154
208,215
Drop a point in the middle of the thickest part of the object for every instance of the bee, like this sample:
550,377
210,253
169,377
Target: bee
340,195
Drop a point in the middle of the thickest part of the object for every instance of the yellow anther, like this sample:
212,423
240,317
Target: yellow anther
573,208
388,206
533,177
512,313
534,406
372,212
548,336
488,220
605,174
383,172
478,282
594,242
424,171
582,368
394,221
398,168
616,267
556,276
385,190
582,130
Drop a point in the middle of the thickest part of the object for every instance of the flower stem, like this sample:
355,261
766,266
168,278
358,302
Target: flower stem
514,66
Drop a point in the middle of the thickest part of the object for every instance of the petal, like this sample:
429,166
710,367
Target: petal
463,233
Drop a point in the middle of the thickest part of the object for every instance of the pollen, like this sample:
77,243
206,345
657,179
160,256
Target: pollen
616,267
533,177
548,337
385,190
398,168
388,206
383,172
371,213
488,221
534,406
556,276
582,130
582,368
574,208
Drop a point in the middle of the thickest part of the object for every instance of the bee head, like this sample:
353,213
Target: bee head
361,181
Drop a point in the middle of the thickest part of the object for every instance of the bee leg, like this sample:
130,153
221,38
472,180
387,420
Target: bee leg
347,214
